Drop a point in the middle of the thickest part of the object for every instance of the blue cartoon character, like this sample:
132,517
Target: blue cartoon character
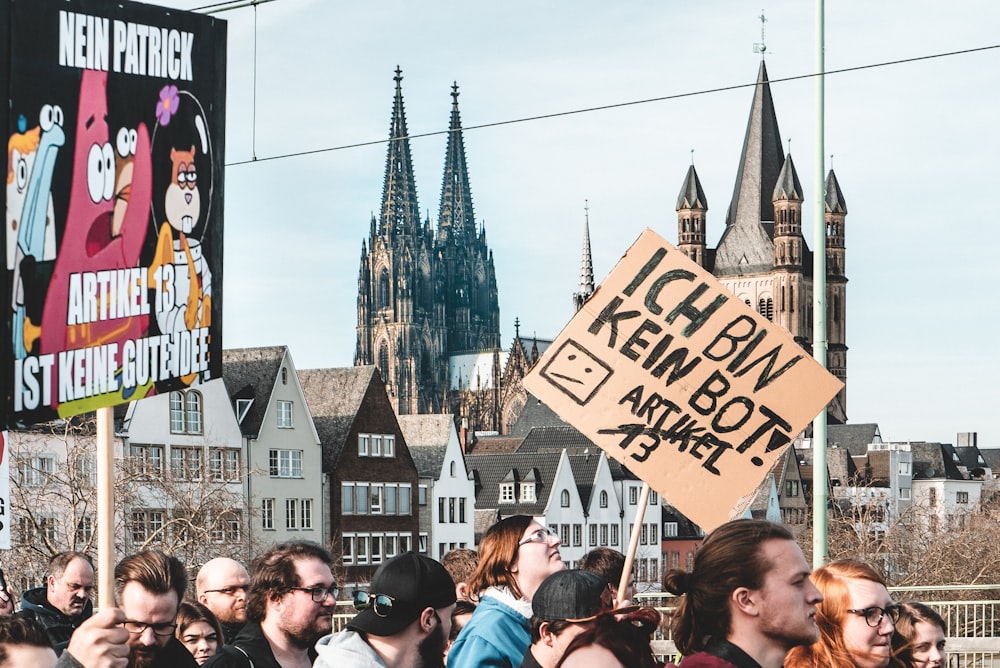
31,160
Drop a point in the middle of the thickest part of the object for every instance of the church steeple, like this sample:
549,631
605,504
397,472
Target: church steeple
400,211
456,220
787,199
692,205
745,246
586,264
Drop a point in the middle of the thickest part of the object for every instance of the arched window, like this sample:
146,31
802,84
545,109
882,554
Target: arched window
383,289
185,412
383,360
604,499
564,499
453,469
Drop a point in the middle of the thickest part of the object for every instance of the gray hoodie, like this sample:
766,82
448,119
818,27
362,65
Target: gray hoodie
346,649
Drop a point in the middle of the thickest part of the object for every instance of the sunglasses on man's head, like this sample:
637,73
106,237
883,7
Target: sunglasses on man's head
380,603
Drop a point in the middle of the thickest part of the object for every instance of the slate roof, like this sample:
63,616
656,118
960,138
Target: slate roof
691,196
485,445
250,373
835,202
490,470
427,438
584,472
972,457
992,457
535,414
853,437
933,460
334,397
686,529
557,439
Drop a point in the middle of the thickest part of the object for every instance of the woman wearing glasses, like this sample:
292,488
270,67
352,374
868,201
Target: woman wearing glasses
515,555
856,620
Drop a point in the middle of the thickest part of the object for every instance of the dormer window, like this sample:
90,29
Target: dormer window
242,408
506,492
527,492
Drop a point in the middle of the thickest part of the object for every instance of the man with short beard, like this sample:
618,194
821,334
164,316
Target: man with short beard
289,607
149,587
404,619
222,585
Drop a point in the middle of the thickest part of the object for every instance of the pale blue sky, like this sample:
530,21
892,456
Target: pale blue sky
916,148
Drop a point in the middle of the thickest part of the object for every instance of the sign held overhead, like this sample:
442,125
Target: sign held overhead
682,382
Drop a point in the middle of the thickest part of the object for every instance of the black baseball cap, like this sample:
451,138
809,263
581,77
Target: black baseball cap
400,590
571,596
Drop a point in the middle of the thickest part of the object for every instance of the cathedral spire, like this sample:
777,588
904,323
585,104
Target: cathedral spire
456,220
586,264
400,211
746,245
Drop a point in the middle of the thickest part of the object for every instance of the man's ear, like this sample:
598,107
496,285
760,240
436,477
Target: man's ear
462,590
745,601
428,619
546,634
51,581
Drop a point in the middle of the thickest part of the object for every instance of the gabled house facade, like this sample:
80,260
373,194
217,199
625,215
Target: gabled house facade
283,453
446,494
371,479
185,452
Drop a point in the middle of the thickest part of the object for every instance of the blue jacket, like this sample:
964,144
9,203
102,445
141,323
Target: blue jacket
497,636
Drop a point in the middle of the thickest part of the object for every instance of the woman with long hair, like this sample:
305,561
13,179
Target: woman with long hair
515,555
919,638
615,640
856,620
198,630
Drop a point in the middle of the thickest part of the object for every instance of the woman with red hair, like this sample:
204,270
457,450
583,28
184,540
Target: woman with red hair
856,620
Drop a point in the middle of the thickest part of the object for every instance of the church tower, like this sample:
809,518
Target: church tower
424,295
401,326
586,265
762,256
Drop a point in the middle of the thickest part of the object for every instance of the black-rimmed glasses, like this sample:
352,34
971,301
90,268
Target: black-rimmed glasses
874,615
319,594
228,591
539,536
163,629
380,603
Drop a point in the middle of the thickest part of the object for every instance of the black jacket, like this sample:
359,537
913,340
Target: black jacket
252,641
174,655
35,605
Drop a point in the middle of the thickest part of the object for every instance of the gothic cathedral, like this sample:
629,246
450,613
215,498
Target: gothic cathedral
762,257
424,295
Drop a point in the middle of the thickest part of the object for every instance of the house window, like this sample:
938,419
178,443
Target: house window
242,408
633,495
376,549
285,463
291,513
147,526
347,498
84,531
422,543
904,468
441,517
643,535
614,534
961,497
390,497
791,488
35,471
376,499
904,493
267,514
653,529
451,467
422,495
390,546
564,499
577,535
670,529
564,534
527,492
47,527
284,414
361,551
185,463
506,492
461,510
653,498
405,495
388,445
604,499
361,498
146,461
451,509
364,443
185,412
227,529
284,375
348,550
593,535
604,535
376,450
405,543
224,463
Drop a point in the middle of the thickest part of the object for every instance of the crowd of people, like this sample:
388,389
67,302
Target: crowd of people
749,601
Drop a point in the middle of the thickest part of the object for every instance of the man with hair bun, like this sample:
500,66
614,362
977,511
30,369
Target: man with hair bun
747,601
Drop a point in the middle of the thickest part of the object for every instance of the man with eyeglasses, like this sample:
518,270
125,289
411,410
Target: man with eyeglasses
222,585
289,607
64,602
149,587
403,620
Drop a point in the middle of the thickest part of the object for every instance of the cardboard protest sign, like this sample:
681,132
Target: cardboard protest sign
115,121
682,382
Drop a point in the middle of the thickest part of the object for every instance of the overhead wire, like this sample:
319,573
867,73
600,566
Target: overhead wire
617,105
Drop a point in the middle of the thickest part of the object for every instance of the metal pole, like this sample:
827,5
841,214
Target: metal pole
105,509
819,302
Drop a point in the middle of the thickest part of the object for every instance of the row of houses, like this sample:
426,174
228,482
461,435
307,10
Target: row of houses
279,454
